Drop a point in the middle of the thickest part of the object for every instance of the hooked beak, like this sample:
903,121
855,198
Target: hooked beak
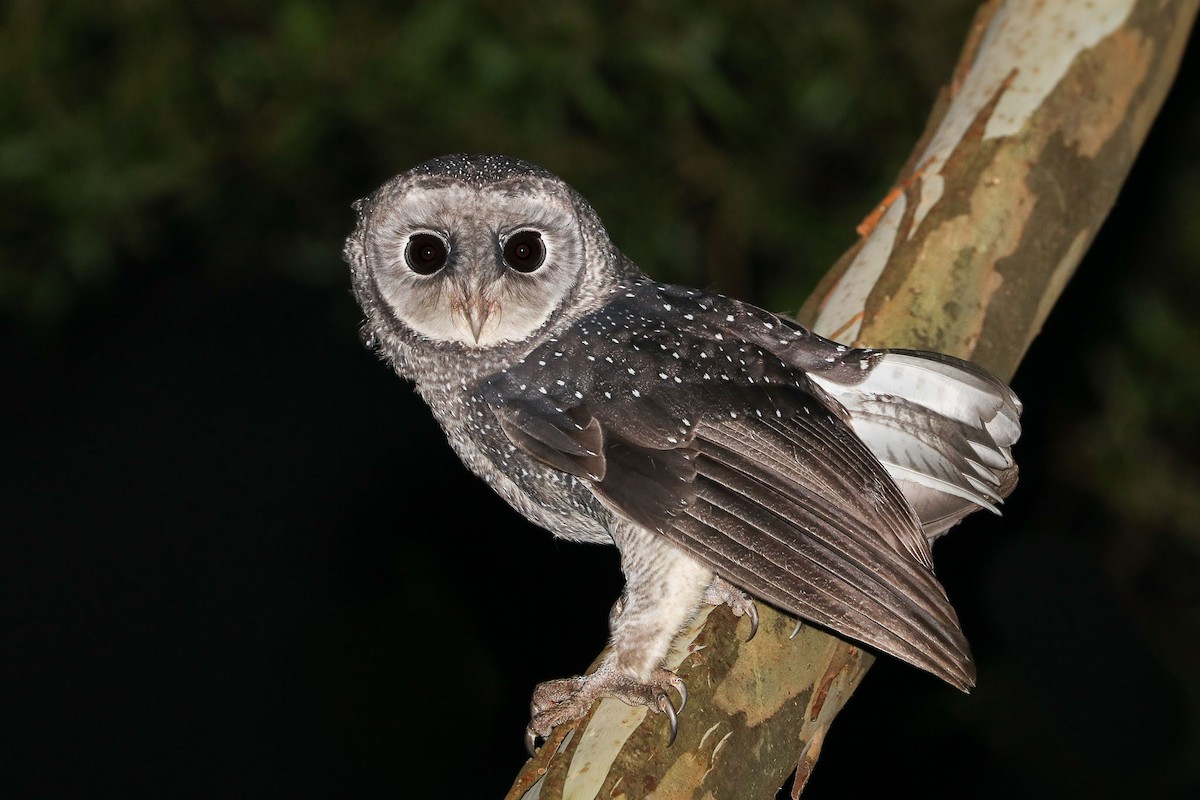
475,310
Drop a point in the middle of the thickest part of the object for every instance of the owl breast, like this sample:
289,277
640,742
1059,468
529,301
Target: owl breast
554,500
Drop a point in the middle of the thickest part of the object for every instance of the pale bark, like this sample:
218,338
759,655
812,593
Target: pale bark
1022,160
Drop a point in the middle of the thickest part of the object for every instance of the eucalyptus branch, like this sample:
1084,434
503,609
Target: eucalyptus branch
1023,157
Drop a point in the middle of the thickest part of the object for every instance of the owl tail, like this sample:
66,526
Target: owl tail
942,427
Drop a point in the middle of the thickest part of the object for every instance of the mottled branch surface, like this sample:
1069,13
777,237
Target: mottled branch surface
1022,160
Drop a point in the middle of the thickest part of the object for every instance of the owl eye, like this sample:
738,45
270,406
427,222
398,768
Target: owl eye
425,253
524,251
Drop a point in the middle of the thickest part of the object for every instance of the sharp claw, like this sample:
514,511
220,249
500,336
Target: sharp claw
752,612
681,687
664,703
531,741
795,633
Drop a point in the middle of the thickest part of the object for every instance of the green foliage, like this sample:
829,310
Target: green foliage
733,145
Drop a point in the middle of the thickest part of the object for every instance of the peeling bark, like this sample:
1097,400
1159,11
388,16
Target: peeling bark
1023,158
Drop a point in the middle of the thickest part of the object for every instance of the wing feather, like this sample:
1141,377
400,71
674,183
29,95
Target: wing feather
823,595
817,554
713,434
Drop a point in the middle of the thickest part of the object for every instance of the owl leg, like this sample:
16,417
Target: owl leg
664,587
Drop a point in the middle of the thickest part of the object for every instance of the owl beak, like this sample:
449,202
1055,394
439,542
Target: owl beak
474,309
477,313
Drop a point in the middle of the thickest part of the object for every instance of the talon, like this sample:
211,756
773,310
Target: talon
531,741
752,613
681,687
664,703
796,632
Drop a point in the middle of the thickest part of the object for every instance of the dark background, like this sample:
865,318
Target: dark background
238,558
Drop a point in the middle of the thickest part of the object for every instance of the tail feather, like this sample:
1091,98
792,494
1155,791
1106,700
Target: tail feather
942,427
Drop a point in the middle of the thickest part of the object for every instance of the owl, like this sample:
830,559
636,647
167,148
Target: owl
730,455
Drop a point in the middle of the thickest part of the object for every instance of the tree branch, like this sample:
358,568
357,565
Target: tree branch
1022,159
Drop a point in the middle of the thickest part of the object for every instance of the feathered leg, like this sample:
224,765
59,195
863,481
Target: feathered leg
664,587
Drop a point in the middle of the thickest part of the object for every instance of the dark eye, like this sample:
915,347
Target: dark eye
425,254
524,251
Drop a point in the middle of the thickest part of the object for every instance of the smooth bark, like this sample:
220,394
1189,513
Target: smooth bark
1022,160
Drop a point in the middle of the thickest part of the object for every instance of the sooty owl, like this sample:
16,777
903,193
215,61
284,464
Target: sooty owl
727,452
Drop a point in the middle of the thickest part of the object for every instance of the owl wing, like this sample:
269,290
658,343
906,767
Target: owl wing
735,456
797,512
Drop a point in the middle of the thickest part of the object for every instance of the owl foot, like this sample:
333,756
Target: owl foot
722,592
568,699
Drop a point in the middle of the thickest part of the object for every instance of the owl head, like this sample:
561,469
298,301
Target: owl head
476,252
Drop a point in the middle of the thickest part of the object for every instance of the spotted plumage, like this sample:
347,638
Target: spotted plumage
715,444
